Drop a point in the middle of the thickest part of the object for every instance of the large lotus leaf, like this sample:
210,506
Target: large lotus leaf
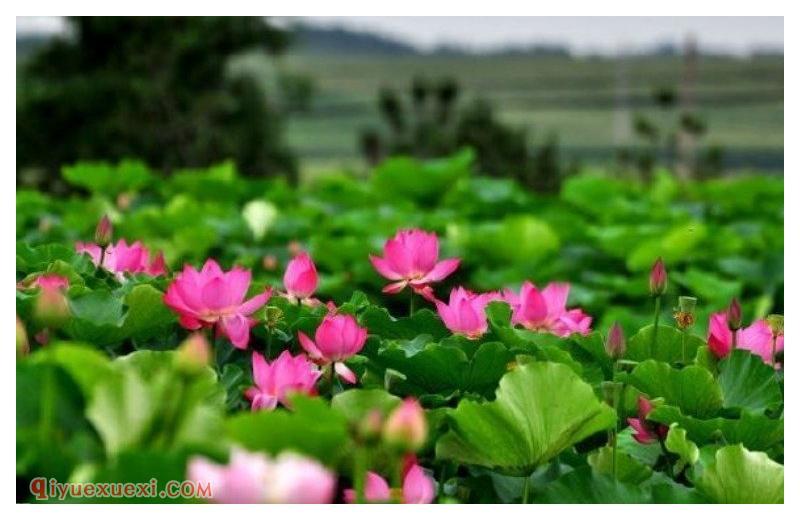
540,410
748,382
379,322
584,486
755,431
446,368
357,403
692,389
628,469
312,428
85,364
668,346
739,476
108,179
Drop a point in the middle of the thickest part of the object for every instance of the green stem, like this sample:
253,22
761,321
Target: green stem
411,304
526,490
683,345
655,324
360,474
269,343
331,378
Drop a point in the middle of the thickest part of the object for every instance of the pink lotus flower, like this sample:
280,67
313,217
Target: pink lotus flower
300,279
465,313
645,431
276,381
121,258
242,481
757,338
212,297
295,479
252,478
337,339
51,308
546,310
411,258
418,488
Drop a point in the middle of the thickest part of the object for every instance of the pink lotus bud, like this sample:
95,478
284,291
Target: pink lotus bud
243,480
103,232
546,310
51,308
465,313
418,488
300,278
658,278
194,353
411,258
406,427
337,339
370,427
734,315
214,298
23,346
615,343
275,382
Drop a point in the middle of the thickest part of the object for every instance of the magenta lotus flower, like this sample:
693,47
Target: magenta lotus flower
757,338
646,432
406,426
276,381
300,279
337,339
411,258
546,310
213,298
658,278
465,313
121,258
252,478
418,488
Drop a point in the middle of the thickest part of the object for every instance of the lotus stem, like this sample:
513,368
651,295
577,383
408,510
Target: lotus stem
655,324
411,304
526,490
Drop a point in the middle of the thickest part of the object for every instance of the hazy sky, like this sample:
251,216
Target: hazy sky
583,34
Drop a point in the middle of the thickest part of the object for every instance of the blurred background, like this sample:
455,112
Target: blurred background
535,98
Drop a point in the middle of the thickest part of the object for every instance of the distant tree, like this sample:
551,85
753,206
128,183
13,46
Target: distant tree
437,125
155,88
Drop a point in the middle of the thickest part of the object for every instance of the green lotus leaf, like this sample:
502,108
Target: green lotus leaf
748,382
739,476
540,410
692,389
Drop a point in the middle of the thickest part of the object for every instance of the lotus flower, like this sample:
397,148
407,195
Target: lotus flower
658,278
212,297
121,258
252,478
418,488
757,338
411,258
546,310
646,432
276,381
300,279
465,314
51,308
337,339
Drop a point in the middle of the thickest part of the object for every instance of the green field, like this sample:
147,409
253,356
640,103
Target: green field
741,100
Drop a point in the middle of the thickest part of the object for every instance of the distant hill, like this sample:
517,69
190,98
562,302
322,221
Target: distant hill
322,40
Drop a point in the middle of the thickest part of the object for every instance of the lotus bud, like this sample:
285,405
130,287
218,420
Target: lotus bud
369,428
615,343
103,232
684,316
51,308
406,427
658,278
734,315
23,347
194,353
775,322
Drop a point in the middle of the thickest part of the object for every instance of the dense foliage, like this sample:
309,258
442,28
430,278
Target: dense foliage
150,87
523,400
